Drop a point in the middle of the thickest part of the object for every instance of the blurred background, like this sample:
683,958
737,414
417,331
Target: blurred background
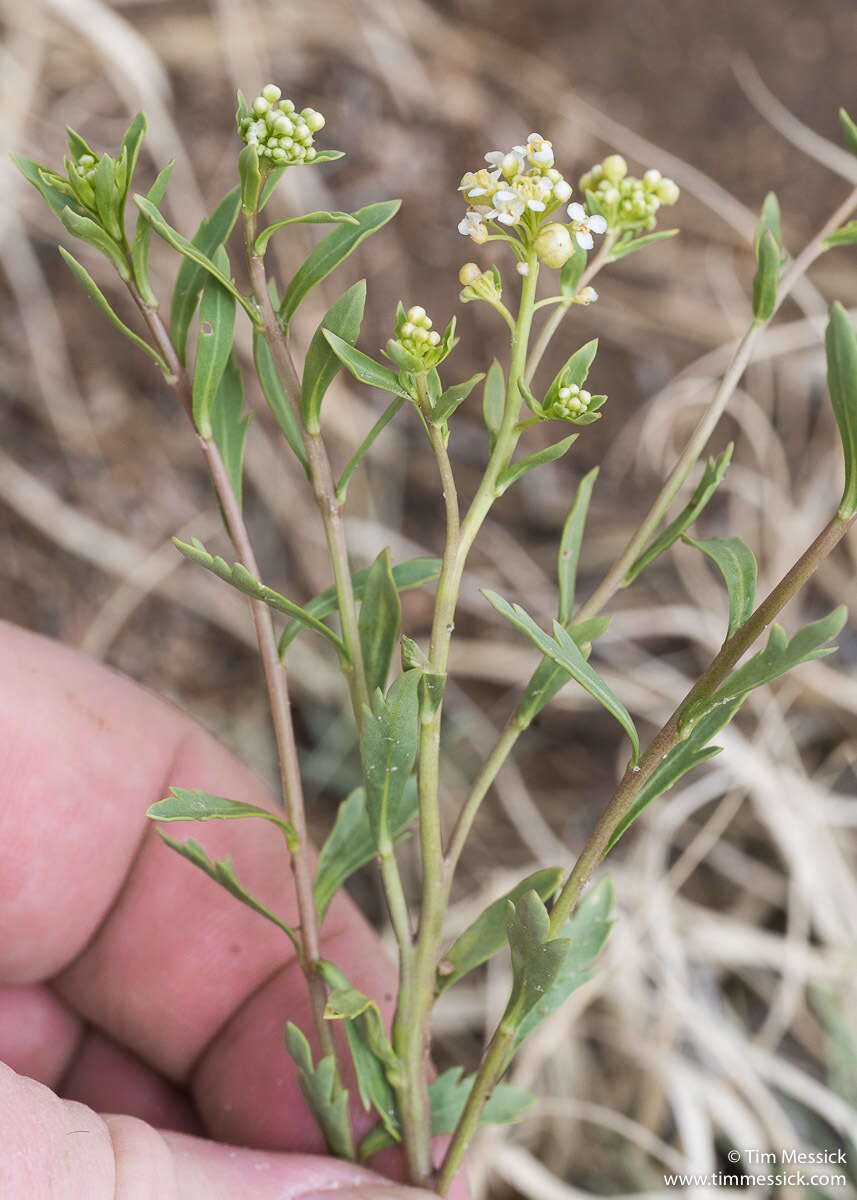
724,1014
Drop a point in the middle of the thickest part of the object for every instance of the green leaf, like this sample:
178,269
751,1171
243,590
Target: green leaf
845,235
494,399
536,961
487,934
271,180
330,252
278,401
548,678
412,573
216,331
564,651
766,278
364,368
517,469
769,221
375,1063
584,935
185,805
109,198
87,230
192,252
143,237
91,287
241,579
212,232
840,344
131,143
689,753
849,130
54,190
569,546
321,364
222,872
326,1099
379,621
573,268
711,477
623,248
778,656
451,398
324,217
229,424
737,564
575,370
350,844
388,750
251,178
364,447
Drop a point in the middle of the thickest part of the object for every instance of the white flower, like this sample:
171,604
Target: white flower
584,226
562,190
478,183
508,206
522,268
473,226
508,163
587,295
539,151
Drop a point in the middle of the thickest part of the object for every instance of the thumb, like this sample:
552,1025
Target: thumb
62,1150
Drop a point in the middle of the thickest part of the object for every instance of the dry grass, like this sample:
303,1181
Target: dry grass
737,894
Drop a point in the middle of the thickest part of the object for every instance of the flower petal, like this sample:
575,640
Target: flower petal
576,211
584,239
597,224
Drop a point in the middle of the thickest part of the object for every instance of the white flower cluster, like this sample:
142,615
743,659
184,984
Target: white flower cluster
280,134
416,333
516,182
628,202
570,402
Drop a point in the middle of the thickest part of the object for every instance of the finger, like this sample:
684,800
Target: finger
38,1034
53,1147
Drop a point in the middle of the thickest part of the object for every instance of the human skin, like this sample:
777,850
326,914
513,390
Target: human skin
130,983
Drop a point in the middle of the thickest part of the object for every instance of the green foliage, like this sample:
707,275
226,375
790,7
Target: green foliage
388,750
573,372
536,960
517,470
87,230
451,398
548,678
737,564
229,424
840,344
379,622
185,805
711,478
569,276
333,250
845,235
325,217
321,364
628,244
766,278
212,232
216,331
326,1099
849,130
143,237
351,845
278,401
488,933
364,447
564,651
251,179
54,190
494,399
363,368
569,546
769,222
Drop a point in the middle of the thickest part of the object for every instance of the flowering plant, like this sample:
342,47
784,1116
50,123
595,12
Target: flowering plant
552,930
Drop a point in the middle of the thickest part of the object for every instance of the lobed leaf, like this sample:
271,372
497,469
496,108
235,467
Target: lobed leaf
326,1099
737,564
321,364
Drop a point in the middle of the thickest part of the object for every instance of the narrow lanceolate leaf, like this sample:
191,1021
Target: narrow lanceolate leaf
769,222
487,934
109,197
536,962
516,470
565,652
849,130
412,573
216,331
494,399
131,143
779,655
548,678
222,872
143,237
737,564
629,245
330,252
711,477
87,230
584,935
364,368
577,367
321,364
324,217
239,577
766,278
229,424
448,1095
91,287
449,400
569,546
366,445
375,1064
192,252
212,232
186,805
278,401
378,622
840,344
845,235
251,178
54,190
388,750
689,753
326,1098
350,844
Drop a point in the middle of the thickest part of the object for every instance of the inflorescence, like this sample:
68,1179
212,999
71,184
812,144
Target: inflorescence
280,133
628,204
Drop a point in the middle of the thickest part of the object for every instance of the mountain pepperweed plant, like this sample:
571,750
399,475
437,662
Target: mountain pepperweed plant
520,209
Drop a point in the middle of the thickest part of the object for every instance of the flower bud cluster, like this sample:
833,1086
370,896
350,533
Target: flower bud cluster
415,332
282,135
570,402
81,175
628,203
516,183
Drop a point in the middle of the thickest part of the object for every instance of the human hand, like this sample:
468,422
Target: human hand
130,983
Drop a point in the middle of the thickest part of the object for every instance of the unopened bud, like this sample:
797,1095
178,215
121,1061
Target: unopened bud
668,191
553,245
614,167
469,273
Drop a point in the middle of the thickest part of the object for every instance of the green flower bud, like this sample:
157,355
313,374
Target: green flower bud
652,178
614,168
553,245
469,273
668,191
271,93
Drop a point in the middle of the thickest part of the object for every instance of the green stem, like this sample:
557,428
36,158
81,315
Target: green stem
321,477
553,322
